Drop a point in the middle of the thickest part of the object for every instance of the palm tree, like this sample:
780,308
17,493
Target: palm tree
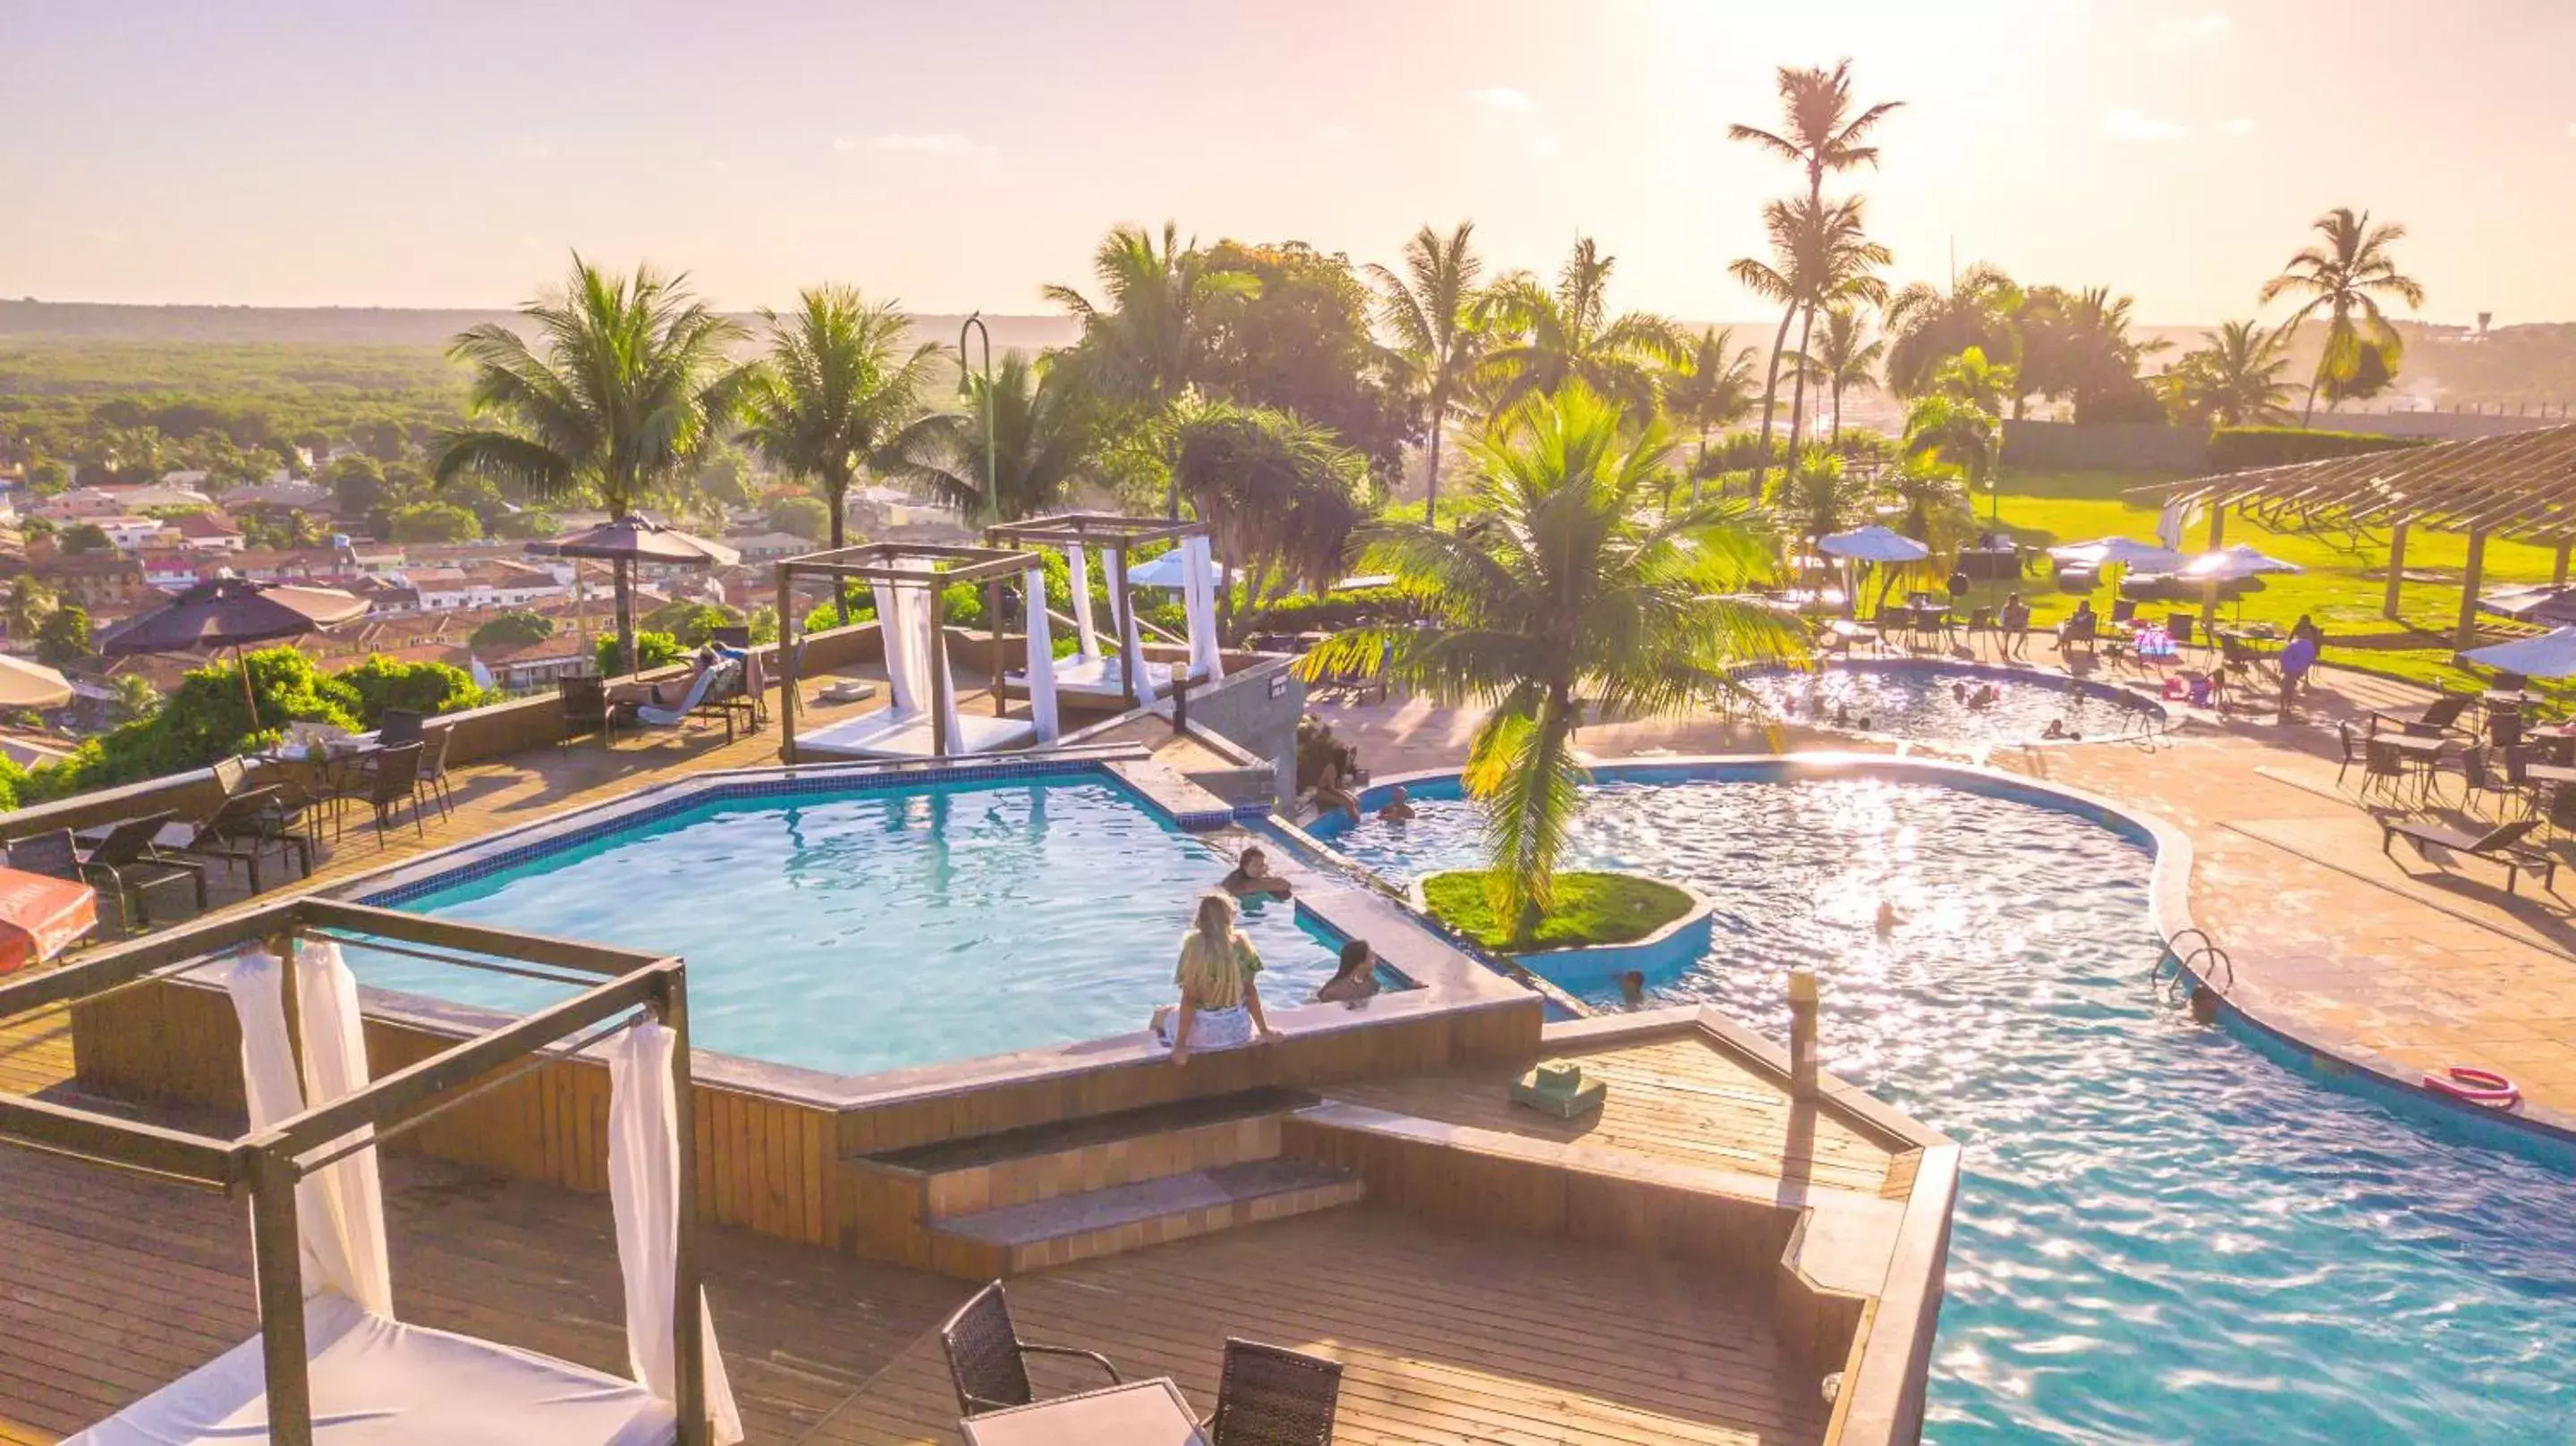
1927,326
2345,277
1815,496
1821,134
836,393
1564,597
2233,379
1045,437
1435,313
1958,422
1281,495
1555,337
1821,256
1709,386
1845,356
633,380
25,605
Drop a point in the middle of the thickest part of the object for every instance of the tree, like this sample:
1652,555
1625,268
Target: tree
381,683
1436,315
1709,386
357,486
1564,598
1548,338
135,699
1927,326
1815,496
835,394
633,383
434,522
84,537
691,624
1298,340
1958,423
1044,432
803,517
515,628
1845,356
1820,256
1281,496
2076,345
62,636
2233,379
25,606
2345,276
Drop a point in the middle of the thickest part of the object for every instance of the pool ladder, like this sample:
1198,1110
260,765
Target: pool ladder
2188,954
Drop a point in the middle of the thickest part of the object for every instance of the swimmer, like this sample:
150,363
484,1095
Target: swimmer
1842,716
1888,918
1399,807
1959,692
2204,1004
2056,730
1252,876
1632,988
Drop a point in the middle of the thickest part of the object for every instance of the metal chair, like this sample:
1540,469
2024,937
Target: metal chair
2351,754
585,708
243,829
395,781
433,768
2476,777
125,860
986,1357
1274,1397
398,726
2382,765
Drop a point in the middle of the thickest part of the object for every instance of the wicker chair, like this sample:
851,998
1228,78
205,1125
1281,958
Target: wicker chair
986,1356
1274,1397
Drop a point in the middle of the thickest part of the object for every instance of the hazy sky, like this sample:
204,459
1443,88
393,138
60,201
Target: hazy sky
958,155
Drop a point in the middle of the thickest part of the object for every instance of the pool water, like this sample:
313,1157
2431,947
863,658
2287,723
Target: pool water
867,931
2162,1236
1920,700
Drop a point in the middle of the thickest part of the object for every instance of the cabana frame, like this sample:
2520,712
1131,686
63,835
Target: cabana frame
934,567
1116,535
268,1164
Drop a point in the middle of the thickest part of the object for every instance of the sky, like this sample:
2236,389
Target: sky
959,156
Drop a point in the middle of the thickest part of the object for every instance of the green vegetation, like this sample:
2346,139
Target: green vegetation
2237,449
1589,909
516,628
649,650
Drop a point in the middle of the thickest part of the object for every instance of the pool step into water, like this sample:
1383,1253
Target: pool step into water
1048,1233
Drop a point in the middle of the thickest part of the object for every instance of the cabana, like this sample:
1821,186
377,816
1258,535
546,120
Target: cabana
922,720
1090,673
330,1356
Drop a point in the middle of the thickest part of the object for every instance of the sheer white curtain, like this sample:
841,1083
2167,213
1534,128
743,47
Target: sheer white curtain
1198,592
897,639
1131,645
644,1192
1078,567
1041,665
925,620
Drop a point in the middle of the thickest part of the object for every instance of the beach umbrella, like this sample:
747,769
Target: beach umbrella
2127,552
1872,544
2546,605
31,685
2234,564
2551,655
232,612
622,542
1168,571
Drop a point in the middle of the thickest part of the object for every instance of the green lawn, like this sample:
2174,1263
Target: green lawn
1591,908
2343,587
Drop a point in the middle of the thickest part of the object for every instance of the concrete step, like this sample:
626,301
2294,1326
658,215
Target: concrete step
1043,1234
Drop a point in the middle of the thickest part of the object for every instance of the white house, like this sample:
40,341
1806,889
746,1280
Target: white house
490,584
130,534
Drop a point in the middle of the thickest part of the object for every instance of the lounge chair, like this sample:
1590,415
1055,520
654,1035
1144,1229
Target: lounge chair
986,1357
703,700
125,861
2442,715
1271,1396
242,830
2499,845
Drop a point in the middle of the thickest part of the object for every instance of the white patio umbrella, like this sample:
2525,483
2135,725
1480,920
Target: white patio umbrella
2551,655
2125,552
25,684
2230,564
1871,544
1167,571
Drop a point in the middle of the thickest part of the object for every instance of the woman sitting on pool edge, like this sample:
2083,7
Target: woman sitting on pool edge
1220,1004
1252,876
1355,980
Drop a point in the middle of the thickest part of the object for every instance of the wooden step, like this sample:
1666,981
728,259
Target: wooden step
1045,1162
1043,1234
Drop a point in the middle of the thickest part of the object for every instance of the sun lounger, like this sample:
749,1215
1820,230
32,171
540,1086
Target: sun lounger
2442,715
693,705
2501,845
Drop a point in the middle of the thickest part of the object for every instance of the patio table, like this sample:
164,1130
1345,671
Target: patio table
1140,1413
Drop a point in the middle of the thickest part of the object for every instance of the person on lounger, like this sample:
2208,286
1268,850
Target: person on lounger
1355,980
671,692
1220,1004
1252,876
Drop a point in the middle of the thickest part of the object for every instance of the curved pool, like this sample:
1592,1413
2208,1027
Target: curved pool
2162,1235
1918,698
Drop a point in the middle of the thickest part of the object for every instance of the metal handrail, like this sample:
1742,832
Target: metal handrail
2182,962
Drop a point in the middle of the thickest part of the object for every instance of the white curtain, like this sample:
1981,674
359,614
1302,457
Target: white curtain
1041,638
644,1192
1198,589
1078,564
925,620
1131,643
896,638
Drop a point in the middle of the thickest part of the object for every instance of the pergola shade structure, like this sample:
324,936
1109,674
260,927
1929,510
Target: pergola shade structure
2518,485
1117,536
931,567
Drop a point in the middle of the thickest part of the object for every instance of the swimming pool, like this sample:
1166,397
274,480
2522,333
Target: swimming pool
861,929
2161,1235
1909,698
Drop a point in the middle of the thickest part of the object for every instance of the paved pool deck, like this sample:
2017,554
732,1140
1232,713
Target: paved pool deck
2407,962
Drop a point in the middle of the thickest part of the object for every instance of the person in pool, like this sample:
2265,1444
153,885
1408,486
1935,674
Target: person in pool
1252,876
1355,980
1399,807
1632,988
1220,1004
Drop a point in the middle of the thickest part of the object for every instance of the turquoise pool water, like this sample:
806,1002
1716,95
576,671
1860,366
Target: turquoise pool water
2162,1235
1921,700
867,931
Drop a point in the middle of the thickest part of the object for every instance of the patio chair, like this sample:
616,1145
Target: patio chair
125,861
395,781
585,709
2477,775
987,1359
2504,730
2350,740
2382,765
242,830
2442,715
2501,844
2562,810
1269,1396
2124,609
433,768
398,726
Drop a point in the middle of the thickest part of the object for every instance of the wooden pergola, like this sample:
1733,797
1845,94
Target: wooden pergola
1114,534
933,567
2517,485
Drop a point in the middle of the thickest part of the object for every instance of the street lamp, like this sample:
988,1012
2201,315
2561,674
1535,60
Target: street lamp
975,323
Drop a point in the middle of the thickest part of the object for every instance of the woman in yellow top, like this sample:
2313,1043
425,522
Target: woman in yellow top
1220,1003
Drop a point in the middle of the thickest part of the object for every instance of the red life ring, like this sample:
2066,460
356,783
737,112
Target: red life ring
2477,1086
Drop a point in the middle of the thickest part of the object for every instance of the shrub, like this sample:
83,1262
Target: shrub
1334,611
516,628
428,688
2237,449
652,650
804,517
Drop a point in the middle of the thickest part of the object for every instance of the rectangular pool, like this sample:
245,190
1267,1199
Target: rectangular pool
855,929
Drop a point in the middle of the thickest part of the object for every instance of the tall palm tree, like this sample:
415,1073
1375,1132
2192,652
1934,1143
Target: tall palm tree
1566,597
1435,313
2345,277
1708,387
1927,326
1281,495
1815,496
2233,379
1958,421
628,381
1821,256
836,393
1845,356
1553,337
1821,133
1045,437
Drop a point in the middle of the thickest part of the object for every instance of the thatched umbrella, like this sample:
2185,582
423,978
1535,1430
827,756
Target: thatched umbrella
624,541
233,612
